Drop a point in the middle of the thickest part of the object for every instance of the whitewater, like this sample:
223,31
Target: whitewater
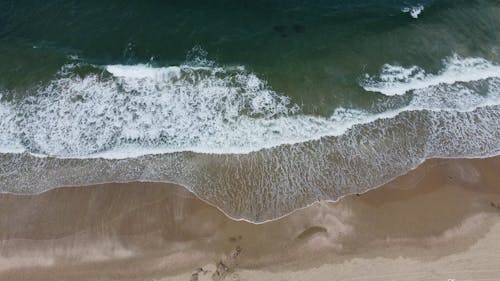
122,111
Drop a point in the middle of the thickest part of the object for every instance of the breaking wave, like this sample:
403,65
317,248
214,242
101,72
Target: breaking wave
120,111
397,80
226,135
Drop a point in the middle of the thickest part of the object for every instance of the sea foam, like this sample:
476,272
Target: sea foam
134,110
414,11
397,80
223,133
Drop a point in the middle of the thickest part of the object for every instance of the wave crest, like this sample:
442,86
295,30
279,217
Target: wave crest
398,80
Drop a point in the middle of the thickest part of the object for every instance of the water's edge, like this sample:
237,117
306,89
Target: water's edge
231,216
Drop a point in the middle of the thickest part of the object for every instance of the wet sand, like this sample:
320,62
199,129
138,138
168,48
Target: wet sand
438,222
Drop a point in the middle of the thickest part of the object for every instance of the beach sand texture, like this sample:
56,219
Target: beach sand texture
440,221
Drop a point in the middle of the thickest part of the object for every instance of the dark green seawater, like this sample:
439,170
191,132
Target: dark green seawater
314,51
280,103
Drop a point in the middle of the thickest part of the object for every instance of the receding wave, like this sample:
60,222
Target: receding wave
226,135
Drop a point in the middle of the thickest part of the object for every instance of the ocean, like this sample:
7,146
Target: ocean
257,107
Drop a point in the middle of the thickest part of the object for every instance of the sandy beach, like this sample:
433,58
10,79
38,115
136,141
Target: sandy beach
440,221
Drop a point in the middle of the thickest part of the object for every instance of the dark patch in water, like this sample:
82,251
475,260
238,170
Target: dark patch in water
281,29
299,28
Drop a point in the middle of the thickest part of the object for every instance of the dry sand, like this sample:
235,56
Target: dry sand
438,222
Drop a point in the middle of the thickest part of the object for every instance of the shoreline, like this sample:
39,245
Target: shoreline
187,189
151,231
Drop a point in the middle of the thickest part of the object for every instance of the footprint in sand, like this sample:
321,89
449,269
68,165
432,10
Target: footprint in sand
227,266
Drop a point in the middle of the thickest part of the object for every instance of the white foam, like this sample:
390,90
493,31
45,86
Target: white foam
145,110
204,109
398,80
8,140
143,71
414,11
